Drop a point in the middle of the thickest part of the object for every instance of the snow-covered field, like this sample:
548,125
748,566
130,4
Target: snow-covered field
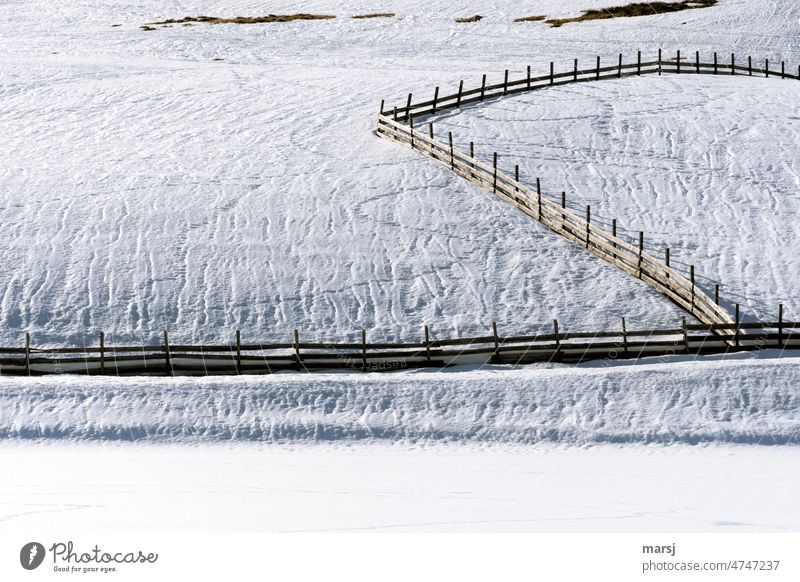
145,185
68,488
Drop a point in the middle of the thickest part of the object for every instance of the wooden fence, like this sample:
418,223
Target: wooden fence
398,124
238,357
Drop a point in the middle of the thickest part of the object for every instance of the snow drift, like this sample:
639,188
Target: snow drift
742,400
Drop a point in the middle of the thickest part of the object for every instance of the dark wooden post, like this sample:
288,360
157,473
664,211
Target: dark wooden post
563,205
102,353
697,61
382,103
733,64
555,335
716,294
430,132
494,173
516,174
27,353
685,335
736,333
411,129
483,86
780,325
666,262
168,355
297,348
363,350
614,229
659,61
427,345
766,67
691,278
750,66
539,198
496,340
638,62
408,106
597,75
783,70
641,250
238,351
452,156
588,222
460,90
528,77
678,62
624,338
395,113
715,63
575,70
619,66
505,82
551,72
435,98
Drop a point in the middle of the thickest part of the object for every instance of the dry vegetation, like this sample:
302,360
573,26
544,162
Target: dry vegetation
245,19
376,15
635,9
530,19
474,18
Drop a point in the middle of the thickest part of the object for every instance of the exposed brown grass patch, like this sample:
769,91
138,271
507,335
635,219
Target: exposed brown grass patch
375,15
530,19
245,19
635,9
474,18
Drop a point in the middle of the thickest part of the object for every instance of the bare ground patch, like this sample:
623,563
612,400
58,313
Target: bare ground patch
244,19
474,18
530,19
374,15
635,9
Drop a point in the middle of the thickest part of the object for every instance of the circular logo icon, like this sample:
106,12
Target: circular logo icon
31,555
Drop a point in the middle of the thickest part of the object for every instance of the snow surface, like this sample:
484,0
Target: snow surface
739,399
75,488
145,186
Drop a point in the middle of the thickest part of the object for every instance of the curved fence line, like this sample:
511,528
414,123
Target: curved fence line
239,357
398,125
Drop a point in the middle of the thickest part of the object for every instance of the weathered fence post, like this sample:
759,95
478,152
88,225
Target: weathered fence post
715,63
483,86
102,353
638,62
435,99
597,75
452,156
685,335
460,90
363,350
619,66
783,70
382,103
551,72
430,132
168,356
575,70
408,106
766,67
678,62
563,206
641,250
750,66
733,64
780,325
659,62
716,294
296,343
666,258
395,113
411,129
494,173
496,341
588,222
528,77
697,61
539,198
427,345
736,333
505,82
691,278
624,338
555,335
238,351
27,353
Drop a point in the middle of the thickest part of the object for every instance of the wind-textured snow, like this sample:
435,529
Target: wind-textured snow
146,186
738,400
